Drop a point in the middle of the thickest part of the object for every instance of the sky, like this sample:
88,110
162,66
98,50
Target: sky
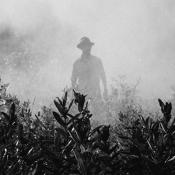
133,38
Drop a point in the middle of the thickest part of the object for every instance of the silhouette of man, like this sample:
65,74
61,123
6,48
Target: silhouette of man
88,72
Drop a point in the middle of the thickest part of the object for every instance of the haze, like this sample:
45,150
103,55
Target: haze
133,38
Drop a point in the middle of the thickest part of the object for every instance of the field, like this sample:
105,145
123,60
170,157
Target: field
67,140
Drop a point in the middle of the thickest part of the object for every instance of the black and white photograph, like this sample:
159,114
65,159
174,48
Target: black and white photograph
87,87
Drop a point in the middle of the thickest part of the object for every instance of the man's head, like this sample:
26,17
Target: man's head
85,45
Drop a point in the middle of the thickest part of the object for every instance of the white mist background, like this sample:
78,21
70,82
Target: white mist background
133,38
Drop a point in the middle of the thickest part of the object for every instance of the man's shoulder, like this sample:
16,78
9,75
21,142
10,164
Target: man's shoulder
96,58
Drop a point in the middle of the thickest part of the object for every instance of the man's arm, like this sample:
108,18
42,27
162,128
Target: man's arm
74,76
103,78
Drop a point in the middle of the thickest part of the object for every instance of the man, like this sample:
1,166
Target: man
88,72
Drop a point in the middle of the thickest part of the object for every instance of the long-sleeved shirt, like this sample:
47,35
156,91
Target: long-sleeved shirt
87,74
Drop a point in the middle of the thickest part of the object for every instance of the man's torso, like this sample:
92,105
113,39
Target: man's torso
88,74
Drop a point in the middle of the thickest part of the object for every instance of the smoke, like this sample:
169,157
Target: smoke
135,38
35,49
38,43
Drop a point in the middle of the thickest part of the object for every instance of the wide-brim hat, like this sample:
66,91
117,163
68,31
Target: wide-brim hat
85,41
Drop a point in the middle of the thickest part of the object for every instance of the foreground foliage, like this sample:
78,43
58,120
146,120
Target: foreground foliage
67,143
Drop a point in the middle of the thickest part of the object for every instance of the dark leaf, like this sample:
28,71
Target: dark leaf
58,118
